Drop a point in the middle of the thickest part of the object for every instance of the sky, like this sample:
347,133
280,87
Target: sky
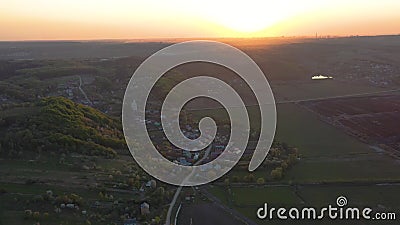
133,19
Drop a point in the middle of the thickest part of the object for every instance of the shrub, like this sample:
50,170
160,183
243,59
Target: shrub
260,180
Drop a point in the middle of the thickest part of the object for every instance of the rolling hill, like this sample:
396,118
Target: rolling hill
56,124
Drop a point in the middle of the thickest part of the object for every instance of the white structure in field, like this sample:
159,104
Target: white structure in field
320,77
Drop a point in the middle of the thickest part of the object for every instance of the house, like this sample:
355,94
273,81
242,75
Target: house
189,196
148,184
144,208
57,210
187,154
196,156
151,184
184,162
49,193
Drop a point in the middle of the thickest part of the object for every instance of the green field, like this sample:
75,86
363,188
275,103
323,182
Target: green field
327,153
385,196
248,200
320,89
335,161
257,196
23,182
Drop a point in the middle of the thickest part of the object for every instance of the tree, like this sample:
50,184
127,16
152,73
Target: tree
161,191
295,151
226,181
36,215
260,180
284,165
137,184
251,178
131,182
292,159
76,198
235,179
153,183
277,173
157,220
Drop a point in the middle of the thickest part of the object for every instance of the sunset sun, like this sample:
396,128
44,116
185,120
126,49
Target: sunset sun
251,17
254,16
247,23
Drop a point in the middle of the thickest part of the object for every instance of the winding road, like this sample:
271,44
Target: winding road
82,91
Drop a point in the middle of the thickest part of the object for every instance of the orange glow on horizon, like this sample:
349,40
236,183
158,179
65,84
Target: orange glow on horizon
130,19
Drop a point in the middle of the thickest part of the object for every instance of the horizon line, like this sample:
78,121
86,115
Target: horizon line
171,39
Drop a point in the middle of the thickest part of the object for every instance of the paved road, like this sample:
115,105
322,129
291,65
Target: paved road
178,191
338,96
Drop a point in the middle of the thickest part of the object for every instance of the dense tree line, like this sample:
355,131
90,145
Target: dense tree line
61,125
